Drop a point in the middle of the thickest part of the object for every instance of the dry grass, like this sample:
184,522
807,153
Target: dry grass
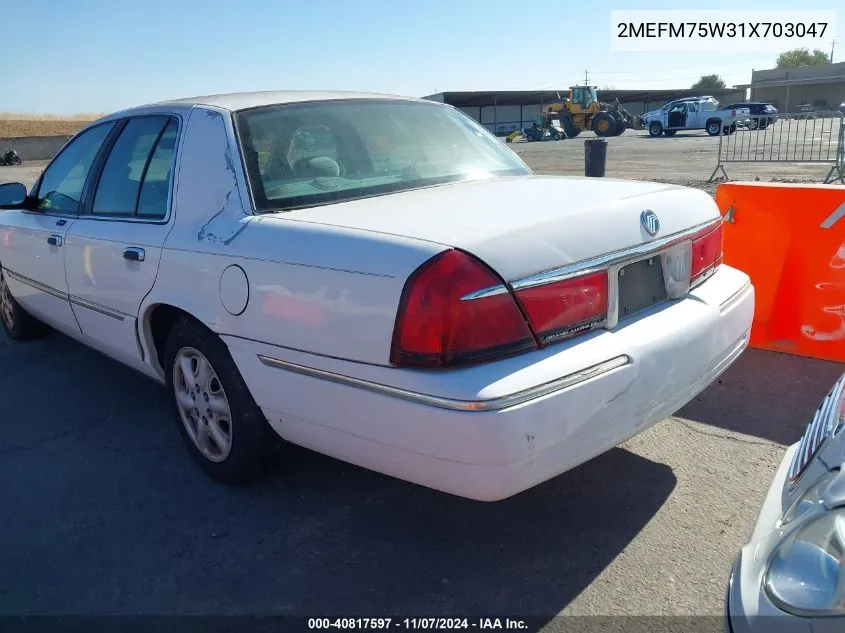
15,125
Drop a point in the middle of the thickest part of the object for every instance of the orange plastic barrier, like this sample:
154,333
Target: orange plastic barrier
790,239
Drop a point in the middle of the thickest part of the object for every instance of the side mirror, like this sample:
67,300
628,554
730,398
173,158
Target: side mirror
12,195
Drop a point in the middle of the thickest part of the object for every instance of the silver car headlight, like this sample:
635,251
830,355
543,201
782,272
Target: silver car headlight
806,575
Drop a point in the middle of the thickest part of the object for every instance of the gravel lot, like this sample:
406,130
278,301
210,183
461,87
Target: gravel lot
104,513
688,158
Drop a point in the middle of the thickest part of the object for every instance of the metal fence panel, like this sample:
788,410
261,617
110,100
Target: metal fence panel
816,138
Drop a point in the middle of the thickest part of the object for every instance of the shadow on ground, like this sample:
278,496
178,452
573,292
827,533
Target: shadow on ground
104,513
767,394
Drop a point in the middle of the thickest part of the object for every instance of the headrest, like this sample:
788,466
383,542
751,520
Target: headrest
318,166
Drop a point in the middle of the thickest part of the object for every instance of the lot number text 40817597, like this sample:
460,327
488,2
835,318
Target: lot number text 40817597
431,624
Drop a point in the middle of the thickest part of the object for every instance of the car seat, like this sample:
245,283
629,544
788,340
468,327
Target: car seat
316,167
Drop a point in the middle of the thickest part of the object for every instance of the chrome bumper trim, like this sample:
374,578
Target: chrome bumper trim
735,297
493,404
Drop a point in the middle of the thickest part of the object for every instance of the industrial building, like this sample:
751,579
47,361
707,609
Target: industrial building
502,112
787,88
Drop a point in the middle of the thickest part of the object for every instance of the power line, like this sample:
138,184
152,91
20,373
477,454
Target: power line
613,73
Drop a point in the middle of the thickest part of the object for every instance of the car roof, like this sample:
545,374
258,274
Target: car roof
704,98
235,101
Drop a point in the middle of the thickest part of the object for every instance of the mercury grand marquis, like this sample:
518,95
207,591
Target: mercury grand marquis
376,278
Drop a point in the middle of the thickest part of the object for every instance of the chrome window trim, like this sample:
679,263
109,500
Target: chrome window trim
51,214
492,404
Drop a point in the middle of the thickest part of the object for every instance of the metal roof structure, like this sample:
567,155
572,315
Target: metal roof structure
774,77
469,99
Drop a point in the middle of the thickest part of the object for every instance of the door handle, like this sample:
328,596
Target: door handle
54,240
134,254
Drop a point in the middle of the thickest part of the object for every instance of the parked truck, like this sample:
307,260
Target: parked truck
692,113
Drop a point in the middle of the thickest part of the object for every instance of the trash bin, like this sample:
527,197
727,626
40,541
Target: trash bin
595,156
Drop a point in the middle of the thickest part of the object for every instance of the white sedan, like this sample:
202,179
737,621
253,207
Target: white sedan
376,278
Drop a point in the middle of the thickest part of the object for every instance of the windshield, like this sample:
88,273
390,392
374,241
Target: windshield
319,153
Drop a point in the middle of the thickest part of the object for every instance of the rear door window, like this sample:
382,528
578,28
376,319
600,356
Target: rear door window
138,153
155,189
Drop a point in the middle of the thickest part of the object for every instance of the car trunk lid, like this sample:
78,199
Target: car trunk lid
525,225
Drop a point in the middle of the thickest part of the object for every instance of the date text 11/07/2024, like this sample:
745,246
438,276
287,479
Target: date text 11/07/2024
428,624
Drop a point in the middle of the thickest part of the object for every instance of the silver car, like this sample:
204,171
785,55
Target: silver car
791,575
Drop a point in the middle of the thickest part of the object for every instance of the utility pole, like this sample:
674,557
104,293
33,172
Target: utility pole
586,78
832,47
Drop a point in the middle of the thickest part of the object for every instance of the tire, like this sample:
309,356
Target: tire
731,129
17,160
569,127
18,324
763,125
621,126
556,136
251,440
714,127
670,132
754,124
655,129
604,124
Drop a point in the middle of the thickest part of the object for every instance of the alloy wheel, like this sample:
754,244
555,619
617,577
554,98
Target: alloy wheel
203,405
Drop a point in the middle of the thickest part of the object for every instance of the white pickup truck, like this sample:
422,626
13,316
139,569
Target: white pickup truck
692,113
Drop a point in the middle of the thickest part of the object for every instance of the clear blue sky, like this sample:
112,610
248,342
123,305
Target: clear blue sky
66,56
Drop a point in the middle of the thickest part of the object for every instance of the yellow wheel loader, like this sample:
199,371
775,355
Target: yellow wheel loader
581,110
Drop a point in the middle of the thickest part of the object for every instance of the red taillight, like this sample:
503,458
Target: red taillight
706,251
437,327
567,307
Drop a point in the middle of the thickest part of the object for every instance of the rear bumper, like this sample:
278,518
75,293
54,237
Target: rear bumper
484,452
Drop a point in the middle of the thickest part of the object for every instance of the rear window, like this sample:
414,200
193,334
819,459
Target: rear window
301,155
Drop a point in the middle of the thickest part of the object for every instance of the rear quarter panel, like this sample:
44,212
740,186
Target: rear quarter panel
332,292
311,287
